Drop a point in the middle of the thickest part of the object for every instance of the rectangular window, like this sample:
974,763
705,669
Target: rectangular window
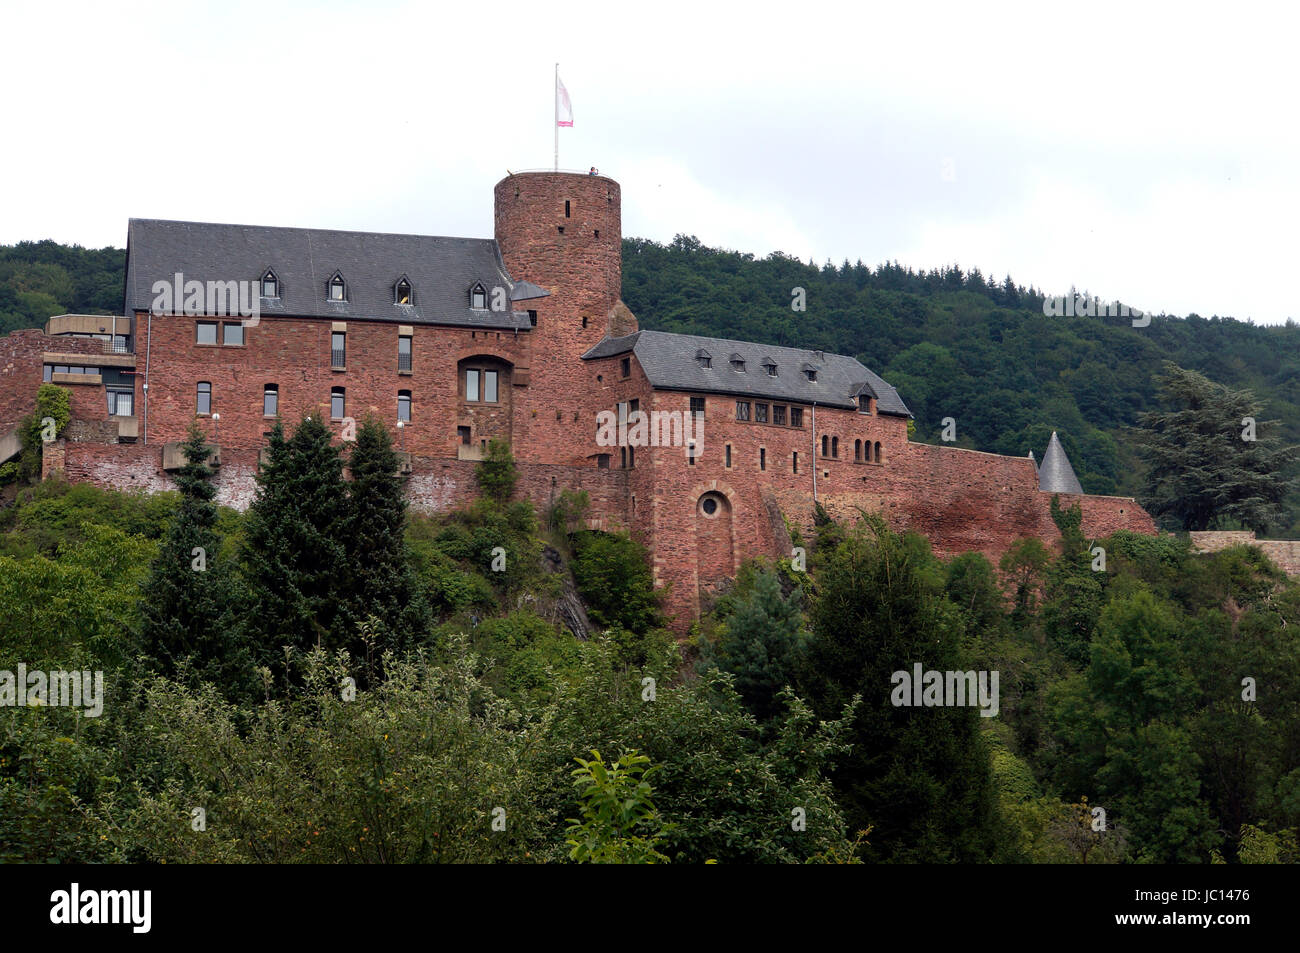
471,385
205,332
794,462
404,353
690,453
626,366
121,403
338,349
728,456
762,458
232,334
49,372
338,408
490,386
270,400
760,413
742,410
404,406
796,416
463,433
697,406
203,398
778,414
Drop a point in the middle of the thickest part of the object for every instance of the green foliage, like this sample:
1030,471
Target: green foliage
1204,473
41,279
613,575
619,824
760,643
496,472
922,777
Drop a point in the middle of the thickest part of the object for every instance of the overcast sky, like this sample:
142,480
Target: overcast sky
1146,155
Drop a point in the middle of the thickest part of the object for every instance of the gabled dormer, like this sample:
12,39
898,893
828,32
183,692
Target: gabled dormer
270,284
403,292
478,296
336,289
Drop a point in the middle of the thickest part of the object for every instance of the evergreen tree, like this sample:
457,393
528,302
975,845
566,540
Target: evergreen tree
188,623
920,776
759,644
1213,462
385,592
295,561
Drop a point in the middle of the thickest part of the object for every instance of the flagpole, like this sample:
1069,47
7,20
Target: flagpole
555,96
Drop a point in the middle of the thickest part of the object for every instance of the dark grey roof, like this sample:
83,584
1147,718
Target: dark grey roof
1055,475
441,270
669,362
526,290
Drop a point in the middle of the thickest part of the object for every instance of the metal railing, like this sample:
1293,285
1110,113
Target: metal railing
337,357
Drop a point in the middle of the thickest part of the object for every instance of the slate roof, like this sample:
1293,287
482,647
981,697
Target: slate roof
669,361
441,270
1055,475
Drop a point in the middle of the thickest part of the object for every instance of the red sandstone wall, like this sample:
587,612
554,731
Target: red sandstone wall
22,368
294,354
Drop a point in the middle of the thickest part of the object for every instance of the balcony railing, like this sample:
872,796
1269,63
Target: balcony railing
338,357
403,362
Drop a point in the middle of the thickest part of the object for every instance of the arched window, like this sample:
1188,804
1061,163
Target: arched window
338,290
270,400
338,407
835,447
404,406
879,458
270,285
402,292
857,452
826,446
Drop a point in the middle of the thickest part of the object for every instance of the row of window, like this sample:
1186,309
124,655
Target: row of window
271,401
864,451
775,414
336,289
739,365
232,333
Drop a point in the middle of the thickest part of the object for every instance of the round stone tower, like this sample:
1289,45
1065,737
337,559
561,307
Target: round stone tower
563,231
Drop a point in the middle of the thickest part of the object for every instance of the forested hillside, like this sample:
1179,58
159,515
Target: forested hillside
956,344
40,279
962,345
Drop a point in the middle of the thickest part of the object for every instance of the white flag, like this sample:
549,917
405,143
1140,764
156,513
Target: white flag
563,108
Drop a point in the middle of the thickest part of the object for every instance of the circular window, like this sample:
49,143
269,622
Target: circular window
711,505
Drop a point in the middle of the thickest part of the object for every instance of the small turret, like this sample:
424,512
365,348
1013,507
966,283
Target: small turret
1056,475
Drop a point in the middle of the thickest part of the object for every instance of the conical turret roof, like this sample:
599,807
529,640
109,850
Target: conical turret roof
1055,475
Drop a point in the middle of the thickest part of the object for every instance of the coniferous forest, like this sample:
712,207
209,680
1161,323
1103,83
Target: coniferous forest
330,678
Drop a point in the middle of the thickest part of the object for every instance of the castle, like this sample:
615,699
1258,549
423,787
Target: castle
707,450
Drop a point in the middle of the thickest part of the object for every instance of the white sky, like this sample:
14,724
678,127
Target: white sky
1147,154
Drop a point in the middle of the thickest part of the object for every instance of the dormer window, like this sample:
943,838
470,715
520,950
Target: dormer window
738,363
704,358
770,367
402,291
478,298
270,285
810,372
337,289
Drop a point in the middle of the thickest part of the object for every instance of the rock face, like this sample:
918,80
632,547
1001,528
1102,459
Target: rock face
569,610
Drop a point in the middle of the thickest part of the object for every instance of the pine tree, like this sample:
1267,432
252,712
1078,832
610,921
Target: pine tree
295,561
188,622
385,592
759,644
1213,462
921,776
